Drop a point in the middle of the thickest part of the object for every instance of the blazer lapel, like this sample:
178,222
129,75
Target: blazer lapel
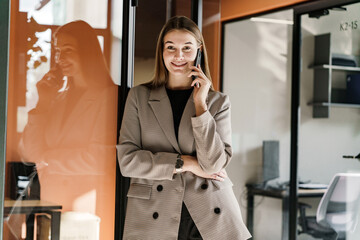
76,113
161,107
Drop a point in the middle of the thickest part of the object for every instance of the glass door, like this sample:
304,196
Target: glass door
64,70
256,75
329,136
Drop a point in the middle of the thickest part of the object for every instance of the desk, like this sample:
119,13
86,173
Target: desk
253,190
30,208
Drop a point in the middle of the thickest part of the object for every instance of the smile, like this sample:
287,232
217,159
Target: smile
65,66
179,64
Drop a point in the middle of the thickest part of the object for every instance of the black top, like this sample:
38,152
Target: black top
178,100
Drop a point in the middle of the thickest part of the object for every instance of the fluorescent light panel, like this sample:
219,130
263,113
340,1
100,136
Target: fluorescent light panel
271,20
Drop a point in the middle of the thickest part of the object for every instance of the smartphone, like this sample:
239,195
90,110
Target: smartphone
197,62
56,76
56,70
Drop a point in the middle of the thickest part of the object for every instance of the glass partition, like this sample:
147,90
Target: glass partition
329,132
257,77
64,63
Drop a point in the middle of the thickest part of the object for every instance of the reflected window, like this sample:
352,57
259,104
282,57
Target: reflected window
59,12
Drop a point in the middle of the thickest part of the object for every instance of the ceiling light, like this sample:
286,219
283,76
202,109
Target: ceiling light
271,20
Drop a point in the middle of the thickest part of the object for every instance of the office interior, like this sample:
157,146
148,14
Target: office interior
275,60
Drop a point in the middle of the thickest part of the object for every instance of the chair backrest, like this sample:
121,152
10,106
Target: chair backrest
24,181
339,206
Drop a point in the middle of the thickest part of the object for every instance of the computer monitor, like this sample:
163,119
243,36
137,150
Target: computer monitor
270,160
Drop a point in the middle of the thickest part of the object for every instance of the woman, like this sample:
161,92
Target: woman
71,134
175,142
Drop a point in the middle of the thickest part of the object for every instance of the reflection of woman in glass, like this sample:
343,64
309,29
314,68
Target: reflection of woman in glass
71,134
175,142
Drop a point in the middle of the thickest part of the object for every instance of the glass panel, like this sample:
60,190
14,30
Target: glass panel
330,119
62,119
211,32
257,78
147,29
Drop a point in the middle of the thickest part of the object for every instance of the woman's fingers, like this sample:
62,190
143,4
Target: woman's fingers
220,176
196,83
223,173
191,164
197,71
201,81
200,77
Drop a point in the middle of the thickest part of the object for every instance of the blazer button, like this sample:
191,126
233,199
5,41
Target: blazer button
155,215
217,210
159,188
204,186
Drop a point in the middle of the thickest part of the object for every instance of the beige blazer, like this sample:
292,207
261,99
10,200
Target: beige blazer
147,153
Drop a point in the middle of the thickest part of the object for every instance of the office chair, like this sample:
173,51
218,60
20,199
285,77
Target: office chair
337,211
24,181
24,185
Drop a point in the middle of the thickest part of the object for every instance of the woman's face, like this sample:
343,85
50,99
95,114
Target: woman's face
179,52
67,55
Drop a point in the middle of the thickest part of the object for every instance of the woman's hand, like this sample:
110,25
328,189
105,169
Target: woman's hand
48,87
201,92
191,164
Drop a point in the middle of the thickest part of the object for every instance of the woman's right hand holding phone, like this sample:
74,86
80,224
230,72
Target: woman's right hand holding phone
201,92
49,86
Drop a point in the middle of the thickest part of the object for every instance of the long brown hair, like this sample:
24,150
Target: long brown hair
92,60
183,23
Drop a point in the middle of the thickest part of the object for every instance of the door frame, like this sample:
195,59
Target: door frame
4,53
126,82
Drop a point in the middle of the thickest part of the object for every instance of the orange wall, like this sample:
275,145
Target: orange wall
211,33
231,9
